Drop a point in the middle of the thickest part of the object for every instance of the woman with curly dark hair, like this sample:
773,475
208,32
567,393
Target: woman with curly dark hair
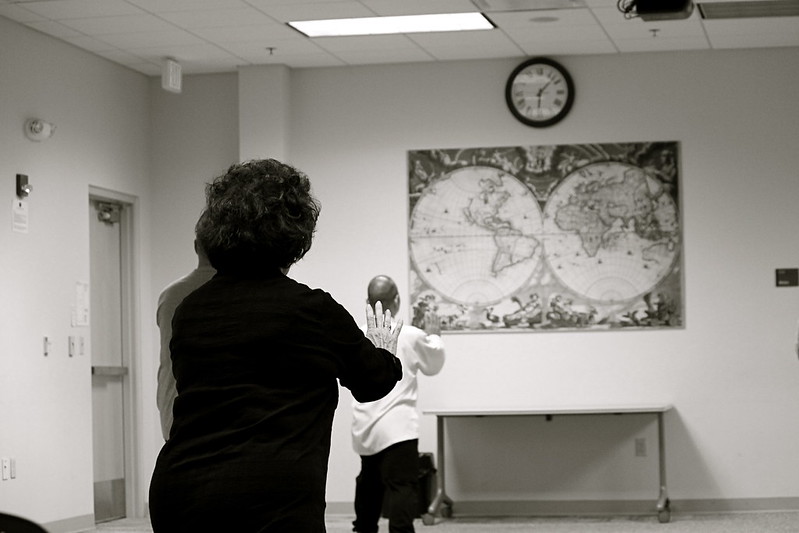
257,356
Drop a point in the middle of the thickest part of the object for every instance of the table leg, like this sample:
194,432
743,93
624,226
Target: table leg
441,501
663,505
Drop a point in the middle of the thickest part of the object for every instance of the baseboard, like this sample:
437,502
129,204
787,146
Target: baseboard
736,505
541,508
601,507
70,525
339,508
553,507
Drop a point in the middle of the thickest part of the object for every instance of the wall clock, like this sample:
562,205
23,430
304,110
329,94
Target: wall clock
539,92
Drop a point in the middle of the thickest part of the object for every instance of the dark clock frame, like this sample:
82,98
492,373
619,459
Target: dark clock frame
553,119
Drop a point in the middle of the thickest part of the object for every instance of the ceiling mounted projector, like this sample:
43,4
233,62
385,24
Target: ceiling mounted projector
654,10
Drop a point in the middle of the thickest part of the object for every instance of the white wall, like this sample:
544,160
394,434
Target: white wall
731,373
194,137
101,111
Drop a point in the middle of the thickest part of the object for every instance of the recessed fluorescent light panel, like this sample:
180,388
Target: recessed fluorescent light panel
387,25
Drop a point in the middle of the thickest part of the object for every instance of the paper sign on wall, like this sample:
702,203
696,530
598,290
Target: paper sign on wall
80,312
19,216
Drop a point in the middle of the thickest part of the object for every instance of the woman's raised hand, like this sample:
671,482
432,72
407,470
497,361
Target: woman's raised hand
378,328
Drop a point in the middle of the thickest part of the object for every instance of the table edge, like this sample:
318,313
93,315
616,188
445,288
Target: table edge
552,410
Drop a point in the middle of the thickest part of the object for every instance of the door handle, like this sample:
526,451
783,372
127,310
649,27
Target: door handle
109,370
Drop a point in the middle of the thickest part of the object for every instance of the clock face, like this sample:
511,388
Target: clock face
539,92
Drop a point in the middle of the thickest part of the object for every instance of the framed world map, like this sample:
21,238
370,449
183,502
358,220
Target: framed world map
540,238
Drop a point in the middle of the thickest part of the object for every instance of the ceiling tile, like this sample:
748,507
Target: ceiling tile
493,37
281,47
419,7
312,11
271,3
19,14
600,3
557,34
365,42
89,43
261,32
133,41
527,19
215,18
73,9
494,6
53,28
118,24
167,6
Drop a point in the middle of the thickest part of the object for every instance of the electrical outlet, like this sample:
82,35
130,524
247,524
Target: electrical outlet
640,447
72,346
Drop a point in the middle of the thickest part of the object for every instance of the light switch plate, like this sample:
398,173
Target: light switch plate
787,277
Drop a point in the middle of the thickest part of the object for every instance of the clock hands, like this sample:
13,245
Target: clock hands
541,92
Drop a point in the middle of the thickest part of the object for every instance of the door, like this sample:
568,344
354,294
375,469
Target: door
110,380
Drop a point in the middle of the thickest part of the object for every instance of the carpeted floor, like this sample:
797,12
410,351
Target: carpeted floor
760,522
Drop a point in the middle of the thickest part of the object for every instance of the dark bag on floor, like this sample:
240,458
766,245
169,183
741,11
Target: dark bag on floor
427,485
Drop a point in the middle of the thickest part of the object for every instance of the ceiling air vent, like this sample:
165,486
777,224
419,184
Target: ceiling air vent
740,10
495,6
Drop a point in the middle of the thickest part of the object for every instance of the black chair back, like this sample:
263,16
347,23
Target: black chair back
17,524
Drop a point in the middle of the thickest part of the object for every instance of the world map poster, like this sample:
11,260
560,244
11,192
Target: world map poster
541,238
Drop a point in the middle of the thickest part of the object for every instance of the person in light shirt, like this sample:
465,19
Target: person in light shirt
385,432
168,301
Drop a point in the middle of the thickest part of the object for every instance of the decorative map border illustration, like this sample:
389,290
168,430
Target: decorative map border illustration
538,238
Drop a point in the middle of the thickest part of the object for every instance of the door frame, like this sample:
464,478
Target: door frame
131,331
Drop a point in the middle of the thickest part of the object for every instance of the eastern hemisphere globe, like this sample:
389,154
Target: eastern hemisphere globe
612,232
475,235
